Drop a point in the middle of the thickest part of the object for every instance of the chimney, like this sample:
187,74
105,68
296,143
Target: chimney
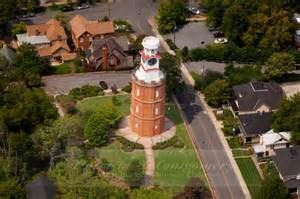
105,57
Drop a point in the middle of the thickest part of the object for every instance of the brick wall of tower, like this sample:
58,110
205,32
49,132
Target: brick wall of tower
147,116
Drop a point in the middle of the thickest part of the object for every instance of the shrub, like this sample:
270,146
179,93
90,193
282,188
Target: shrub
217,93
86,91
127,145
175,142
68,103
185,54
127,88
202,81
135,174
122,25
171,44
230,123
105,165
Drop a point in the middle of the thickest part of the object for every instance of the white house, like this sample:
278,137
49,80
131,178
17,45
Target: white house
270,141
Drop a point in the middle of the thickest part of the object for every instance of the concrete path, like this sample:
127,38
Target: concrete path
125,131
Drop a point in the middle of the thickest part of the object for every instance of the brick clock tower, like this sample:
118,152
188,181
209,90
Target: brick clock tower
147,110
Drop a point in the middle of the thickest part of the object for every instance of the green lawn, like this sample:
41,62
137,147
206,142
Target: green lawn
173,166
233,142
240,152
63,68
250,175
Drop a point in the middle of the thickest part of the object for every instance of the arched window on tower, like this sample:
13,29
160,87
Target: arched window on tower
156,94
137,92
156,111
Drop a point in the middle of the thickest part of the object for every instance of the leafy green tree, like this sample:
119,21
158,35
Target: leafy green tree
25,108
62,18
28,61
18,28
216,9
209,76
153,193
99,124
170,14
235,22
170,66
75,178
217,93
286,118
279,64
135,174
8,12
272,187
240,75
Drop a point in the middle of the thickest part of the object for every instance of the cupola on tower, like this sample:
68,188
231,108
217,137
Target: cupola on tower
147,110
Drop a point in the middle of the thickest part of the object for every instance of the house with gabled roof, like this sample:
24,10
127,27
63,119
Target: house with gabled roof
50,40
85,31
108,54
271,141
287,163
254,103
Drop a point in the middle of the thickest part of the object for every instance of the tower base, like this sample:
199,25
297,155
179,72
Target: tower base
126,132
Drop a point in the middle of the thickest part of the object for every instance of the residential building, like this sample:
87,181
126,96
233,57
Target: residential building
287,163
85,31
253,125
271,141
256,96
109,53
50,39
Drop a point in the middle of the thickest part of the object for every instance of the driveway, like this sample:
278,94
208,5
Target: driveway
192,35
62,84
291,88
136,12
200,66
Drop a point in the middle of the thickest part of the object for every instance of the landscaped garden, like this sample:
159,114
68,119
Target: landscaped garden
174,166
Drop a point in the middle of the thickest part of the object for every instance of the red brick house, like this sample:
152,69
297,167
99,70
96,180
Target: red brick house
85,31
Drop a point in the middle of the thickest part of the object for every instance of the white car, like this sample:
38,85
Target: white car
221,40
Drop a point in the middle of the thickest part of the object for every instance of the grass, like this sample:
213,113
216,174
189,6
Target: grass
64,68
250,175
175,166
241,152
234,142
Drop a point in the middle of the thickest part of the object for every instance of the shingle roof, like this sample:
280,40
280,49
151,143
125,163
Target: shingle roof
287,162
80,25
41,188
252,95
52,29
255,123
48,51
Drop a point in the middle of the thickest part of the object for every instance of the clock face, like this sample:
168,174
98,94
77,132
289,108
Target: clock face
152,61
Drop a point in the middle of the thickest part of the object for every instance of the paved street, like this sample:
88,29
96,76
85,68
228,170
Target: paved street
192,35
215,160
136,12
62,84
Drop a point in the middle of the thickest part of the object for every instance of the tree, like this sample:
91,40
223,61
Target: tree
194,189
170,14
217,93
62,18
207,77
272,187
170,66
286,118
18,28
99,124
26,108
235,22
28,61
216,9
153,193
8,8
279,64
135,174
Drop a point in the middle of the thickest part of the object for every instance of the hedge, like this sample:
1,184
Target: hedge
175,142
127,145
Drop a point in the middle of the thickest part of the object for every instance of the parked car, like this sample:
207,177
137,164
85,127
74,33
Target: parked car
103,85
193,10
212,28
81,7
67,8
28,15
222,40
218,34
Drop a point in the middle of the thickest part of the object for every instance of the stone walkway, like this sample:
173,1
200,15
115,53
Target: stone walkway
125,131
